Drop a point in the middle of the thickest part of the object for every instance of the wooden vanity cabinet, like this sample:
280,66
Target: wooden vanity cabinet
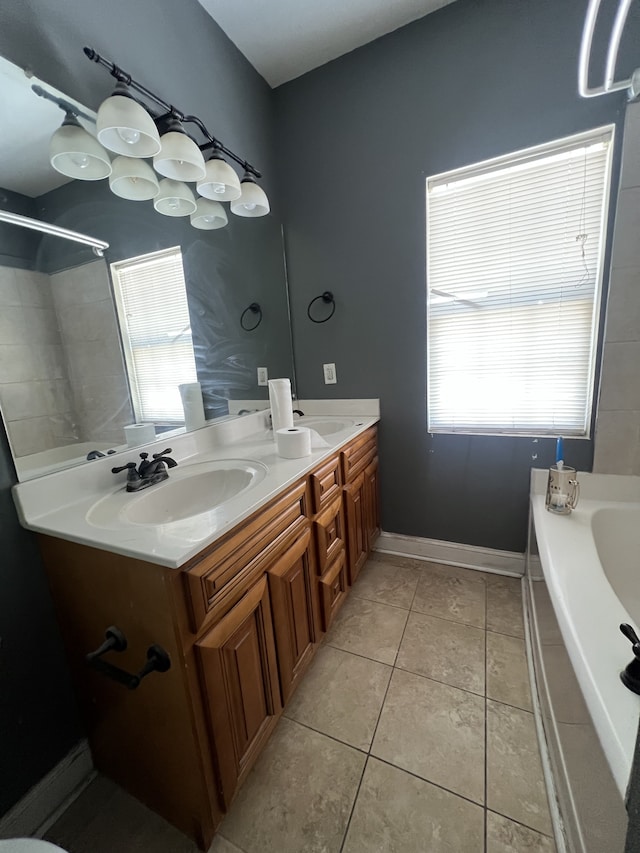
240,685
240,623
359,461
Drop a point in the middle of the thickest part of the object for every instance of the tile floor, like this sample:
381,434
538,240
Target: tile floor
412,732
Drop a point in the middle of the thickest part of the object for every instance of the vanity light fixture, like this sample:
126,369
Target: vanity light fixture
127,126
174,199
133,179
253,200
221,181
209,215
75,153
179,157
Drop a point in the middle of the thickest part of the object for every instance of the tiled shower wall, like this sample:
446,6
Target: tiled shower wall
62,377
617,439
89,333
34,388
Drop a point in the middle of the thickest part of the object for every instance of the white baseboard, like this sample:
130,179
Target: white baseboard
44,803
452,554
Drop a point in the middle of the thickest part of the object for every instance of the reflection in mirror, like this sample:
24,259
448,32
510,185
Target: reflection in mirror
64,385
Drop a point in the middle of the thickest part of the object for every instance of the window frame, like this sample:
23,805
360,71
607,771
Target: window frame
127,347
494,164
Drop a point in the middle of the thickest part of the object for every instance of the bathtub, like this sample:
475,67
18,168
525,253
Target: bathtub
588,563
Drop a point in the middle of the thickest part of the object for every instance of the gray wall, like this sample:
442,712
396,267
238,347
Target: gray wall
357,139
176,49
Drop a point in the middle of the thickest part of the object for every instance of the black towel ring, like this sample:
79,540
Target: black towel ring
327,297
255,309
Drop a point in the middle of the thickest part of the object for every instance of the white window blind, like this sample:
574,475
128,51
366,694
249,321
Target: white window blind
154,320
514,274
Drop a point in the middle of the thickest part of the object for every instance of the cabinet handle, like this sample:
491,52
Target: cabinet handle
157,660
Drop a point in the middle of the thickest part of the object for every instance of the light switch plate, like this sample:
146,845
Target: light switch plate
263,376
330,377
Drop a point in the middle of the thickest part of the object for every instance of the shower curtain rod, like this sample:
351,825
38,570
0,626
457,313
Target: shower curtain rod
98,246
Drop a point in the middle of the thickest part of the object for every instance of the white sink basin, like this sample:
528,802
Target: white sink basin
189,491
326,426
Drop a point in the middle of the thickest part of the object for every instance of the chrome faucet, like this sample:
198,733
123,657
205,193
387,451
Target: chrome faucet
148,472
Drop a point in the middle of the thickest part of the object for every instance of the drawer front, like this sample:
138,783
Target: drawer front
333,590
357,455
325,483
329,532
219,579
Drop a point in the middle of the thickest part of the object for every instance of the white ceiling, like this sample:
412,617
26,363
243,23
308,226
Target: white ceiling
283,39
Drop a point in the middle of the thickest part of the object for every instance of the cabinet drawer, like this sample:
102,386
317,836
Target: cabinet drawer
357,455
218,579
329,534
333,590
325,483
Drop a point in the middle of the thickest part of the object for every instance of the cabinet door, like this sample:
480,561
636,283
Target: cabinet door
242,699
333,590
291,584
372,502
357,537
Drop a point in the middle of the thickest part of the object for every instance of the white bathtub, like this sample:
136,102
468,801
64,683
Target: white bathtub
591,565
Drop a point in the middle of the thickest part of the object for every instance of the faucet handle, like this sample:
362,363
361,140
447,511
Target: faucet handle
633,638
158,455
123,467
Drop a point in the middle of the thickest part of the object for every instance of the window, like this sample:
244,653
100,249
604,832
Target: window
514,273
151,300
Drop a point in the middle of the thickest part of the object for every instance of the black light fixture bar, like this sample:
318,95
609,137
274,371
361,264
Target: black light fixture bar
169,110
65,106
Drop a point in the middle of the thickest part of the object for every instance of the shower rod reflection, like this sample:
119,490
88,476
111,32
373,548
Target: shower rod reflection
98,246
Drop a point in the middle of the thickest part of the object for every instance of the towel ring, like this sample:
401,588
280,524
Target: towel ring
255,309
327,297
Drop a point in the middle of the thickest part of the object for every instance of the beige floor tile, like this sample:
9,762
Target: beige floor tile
515,784
369,629
387,583
221,845
505,836
399,813
443,650
394,560
507,671
504,605
442,591
341,695
298,796
435,731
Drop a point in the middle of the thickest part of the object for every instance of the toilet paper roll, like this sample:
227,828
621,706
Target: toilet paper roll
191,394
281,404
136,434
293,442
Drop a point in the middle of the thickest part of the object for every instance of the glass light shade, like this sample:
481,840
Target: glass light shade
125,127
253,200
133,179
75,153
221,182
209,215
180,158
174,199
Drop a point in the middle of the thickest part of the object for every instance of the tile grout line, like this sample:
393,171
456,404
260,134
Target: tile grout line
324,734
429,782
353,806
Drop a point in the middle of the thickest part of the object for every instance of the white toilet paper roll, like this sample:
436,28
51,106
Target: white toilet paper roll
293,442
191,394
281,404
137,434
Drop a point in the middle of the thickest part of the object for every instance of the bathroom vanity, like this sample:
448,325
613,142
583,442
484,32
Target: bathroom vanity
240,619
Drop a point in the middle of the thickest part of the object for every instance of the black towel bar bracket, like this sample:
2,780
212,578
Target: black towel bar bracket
157,660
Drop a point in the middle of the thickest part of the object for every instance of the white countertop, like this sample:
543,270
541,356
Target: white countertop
588,610
59,504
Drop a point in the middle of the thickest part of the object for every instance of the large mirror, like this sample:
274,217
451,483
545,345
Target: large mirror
65,387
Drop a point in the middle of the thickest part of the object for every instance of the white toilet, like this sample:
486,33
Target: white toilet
28,845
